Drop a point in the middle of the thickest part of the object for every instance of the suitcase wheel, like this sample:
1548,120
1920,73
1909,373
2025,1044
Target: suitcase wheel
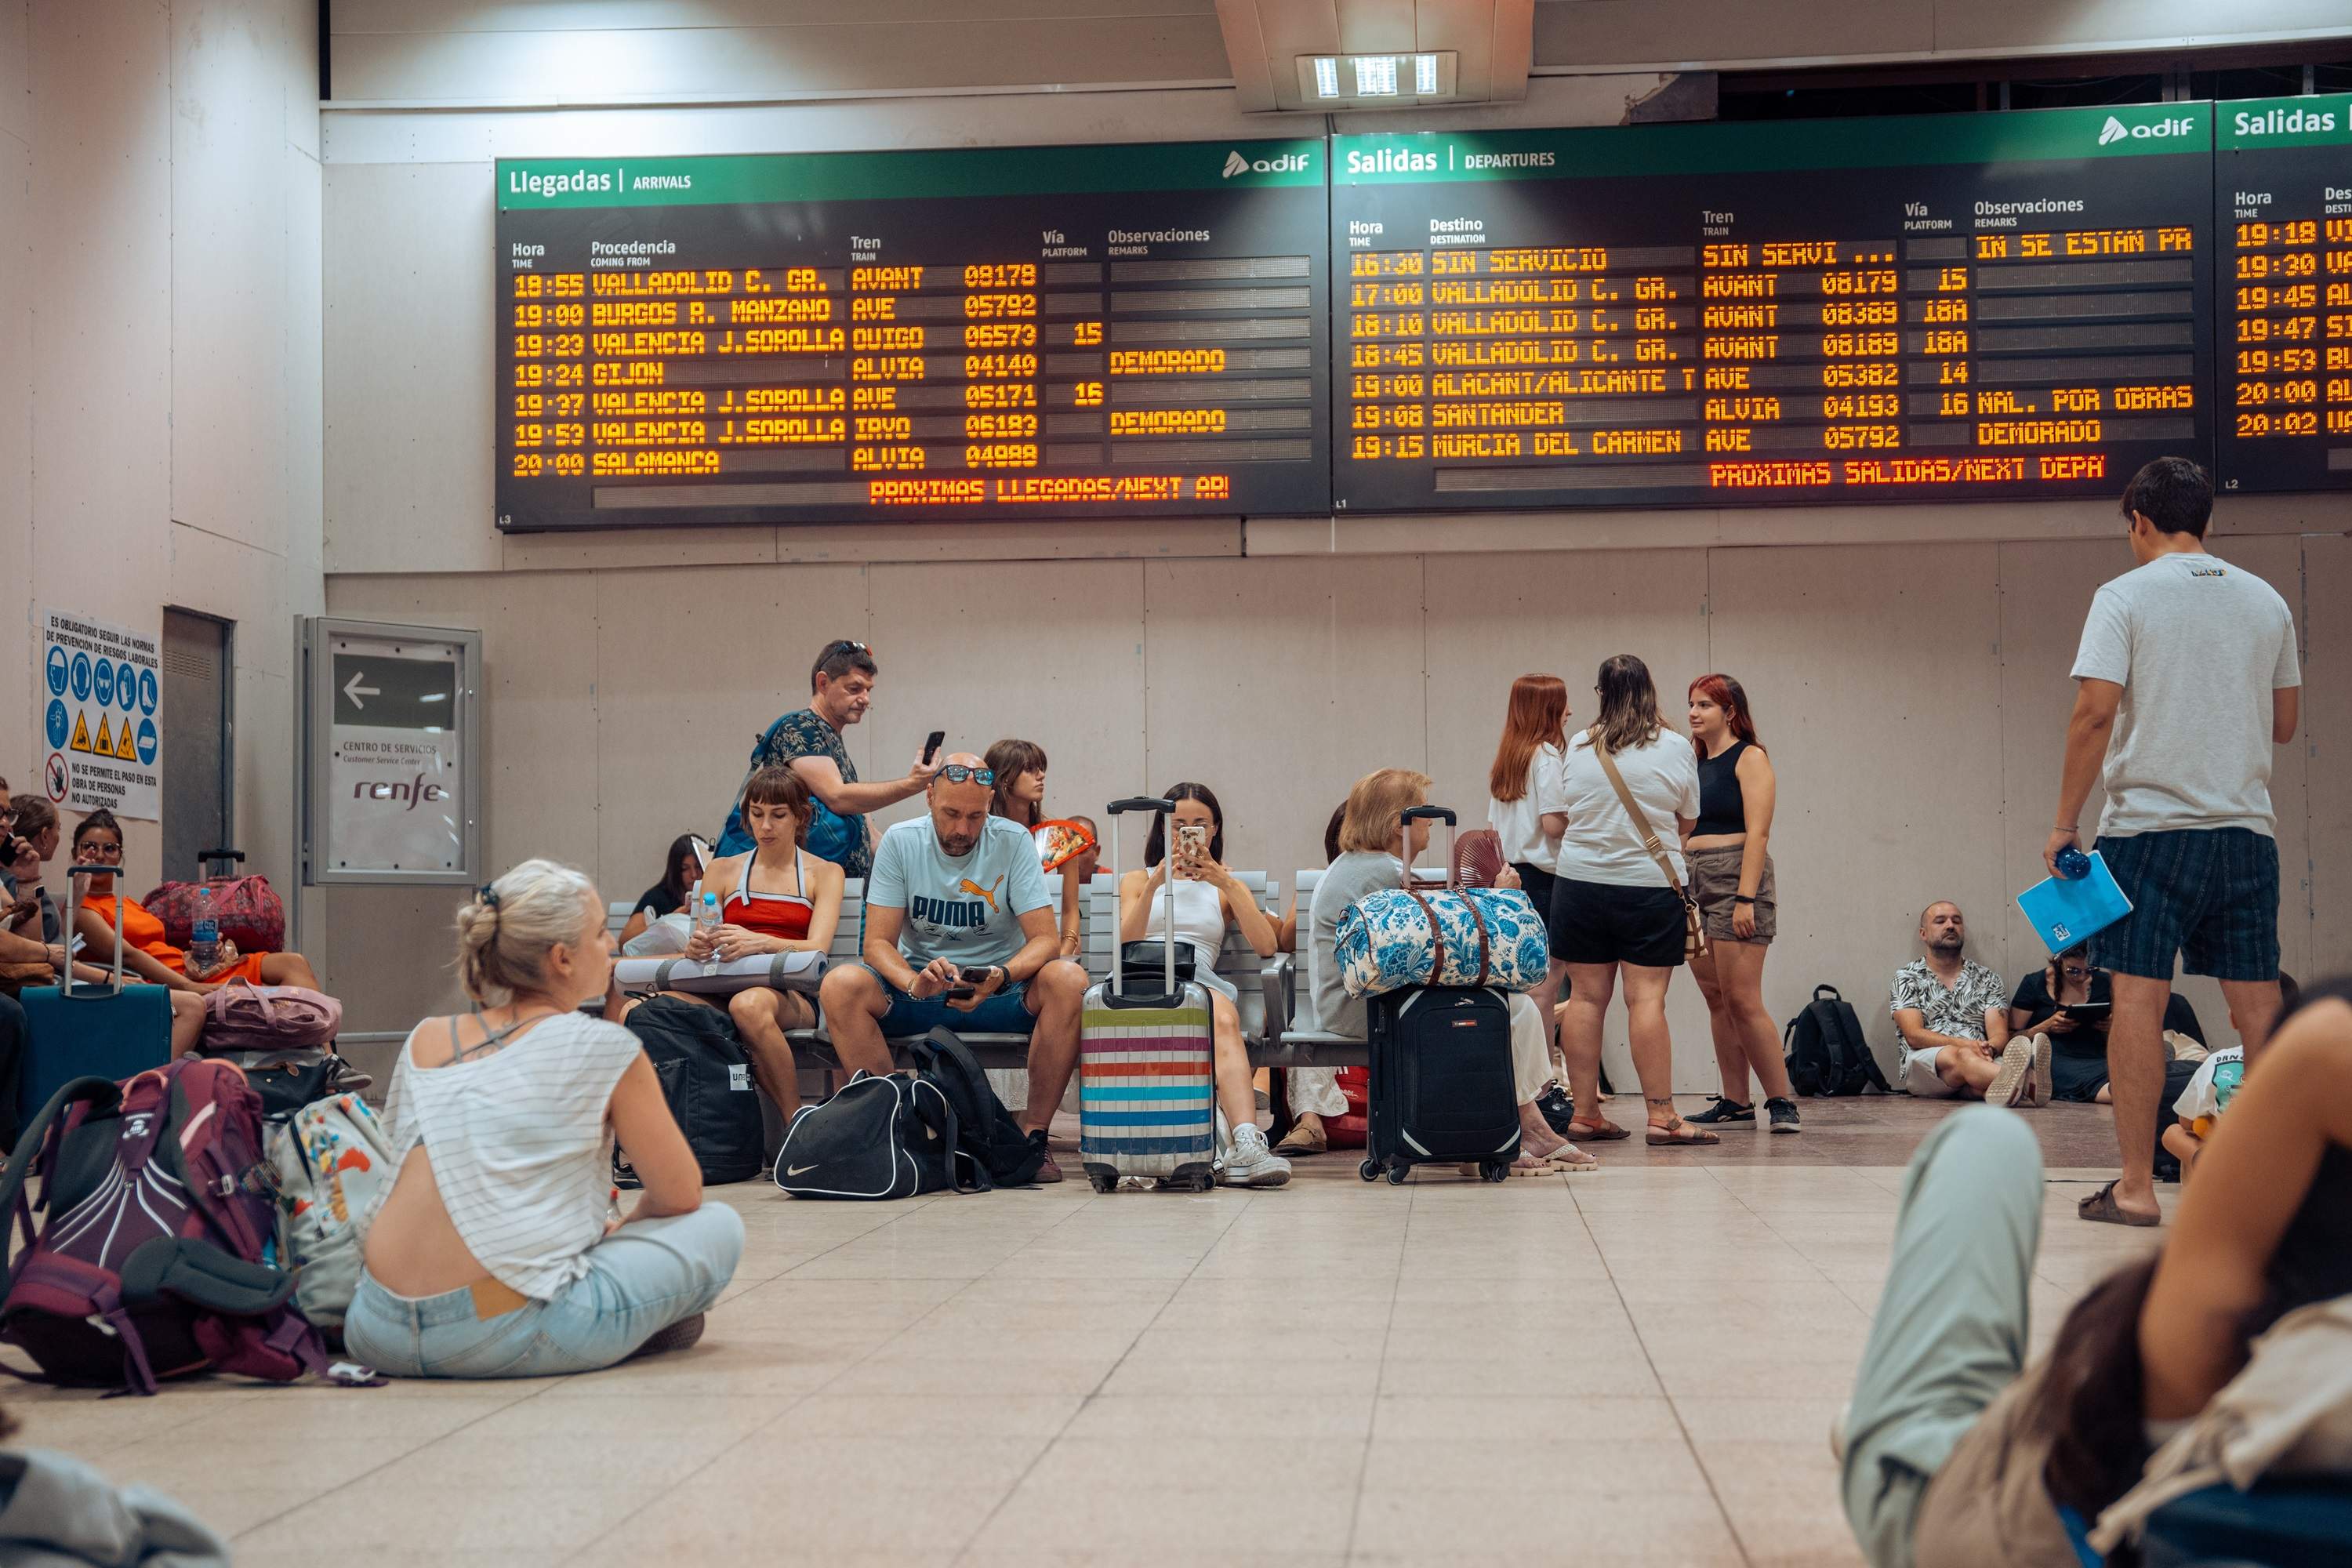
1370,1170
1494,1170
1104,1181
1398,1173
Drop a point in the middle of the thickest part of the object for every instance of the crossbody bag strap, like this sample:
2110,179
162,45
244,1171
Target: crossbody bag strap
1641,819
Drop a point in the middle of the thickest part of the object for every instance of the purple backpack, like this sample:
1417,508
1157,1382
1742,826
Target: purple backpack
148,1254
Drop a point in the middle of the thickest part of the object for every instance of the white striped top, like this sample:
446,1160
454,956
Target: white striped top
521,1147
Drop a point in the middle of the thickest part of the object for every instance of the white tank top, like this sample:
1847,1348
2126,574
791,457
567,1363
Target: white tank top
1200,919
519,1145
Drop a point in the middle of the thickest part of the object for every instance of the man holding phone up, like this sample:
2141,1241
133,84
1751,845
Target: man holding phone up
959,931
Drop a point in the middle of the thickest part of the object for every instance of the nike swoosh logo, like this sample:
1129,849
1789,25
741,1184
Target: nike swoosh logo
798,1170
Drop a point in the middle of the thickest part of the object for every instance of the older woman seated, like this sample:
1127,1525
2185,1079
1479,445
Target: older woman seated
495,1254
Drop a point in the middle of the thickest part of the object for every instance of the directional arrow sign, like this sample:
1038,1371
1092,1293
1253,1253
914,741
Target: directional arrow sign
381,692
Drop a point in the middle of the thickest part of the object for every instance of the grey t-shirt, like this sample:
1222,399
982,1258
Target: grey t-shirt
2198,646
967,910
1350,878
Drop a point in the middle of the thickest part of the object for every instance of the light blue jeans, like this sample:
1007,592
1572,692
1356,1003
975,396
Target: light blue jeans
1950,1331
641,1279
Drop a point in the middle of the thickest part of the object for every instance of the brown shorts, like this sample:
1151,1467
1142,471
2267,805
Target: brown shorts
1715,878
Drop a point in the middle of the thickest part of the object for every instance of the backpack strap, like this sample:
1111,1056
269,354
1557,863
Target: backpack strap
16,1210
943,1122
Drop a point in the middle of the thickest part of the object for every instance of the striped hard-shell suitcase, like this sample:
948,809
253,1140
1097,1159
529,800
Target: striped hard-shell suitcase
1147,1078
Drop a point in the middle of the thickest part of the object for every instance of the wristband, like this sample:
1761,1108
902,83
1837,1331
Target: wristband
1741,899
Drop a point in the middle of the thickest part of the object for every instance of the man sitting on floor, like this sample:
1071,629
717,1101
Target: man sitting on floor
1954,1015
957,903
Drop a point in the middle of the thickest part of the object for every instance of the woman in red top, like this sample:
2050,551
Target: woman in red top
777,899
97,841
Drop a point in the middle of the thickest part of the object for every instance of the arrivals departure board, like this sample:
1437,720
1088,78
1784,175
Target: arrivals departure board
2282,196
1929,307
1097,331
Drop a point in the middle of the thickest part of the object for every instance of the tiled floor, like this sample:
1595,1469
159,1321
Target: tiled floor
1635,1366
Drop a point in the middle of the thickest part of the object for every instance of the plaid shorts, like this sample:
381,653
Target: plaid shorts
2208,896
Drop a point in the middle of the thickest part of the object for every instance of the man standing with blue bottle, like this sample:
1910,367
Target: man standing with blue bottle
2186,678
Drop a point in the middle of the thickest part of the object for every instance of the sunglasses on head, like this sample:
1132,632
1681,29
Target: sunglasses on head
956,773
847,645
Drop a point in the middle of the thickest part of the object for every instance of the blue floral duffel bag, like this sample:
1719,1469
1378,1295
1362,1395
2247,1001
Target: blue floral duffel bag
1440,936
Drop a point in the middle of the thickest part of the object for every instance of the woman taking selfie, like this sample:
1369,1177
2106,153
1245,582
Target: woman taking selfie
1208,900
777,899
496,1254
1731,878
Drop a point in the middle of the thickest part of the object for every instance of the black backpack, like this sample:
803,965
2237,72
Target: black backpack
888,1137
990,1138
1827,1054
706,1078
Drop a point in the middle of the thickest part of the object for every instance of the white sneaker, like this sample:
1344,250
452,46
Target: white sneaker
1252,1163
2015,1080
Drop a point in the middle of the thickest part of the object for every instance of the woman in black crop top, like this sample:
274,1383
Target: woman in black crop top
1731,878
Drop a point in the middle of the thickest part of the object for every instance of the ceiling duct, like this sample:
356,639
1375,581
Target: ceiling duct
1376,54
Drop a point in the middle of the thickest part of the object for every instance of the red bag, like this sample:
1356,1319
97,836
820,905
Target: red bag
243,1016
1348,1131
247,909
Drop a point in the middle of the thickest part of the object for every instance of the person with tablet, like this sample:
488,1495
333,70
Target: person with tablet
2065,1005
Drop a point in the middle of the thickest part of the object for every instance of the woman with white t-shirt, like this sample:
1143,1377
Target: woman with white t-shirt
497,1253
1614,911
1527,766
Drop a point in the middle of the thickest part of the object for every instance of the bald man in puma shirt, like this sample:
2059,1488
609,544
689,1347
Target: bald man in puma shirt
957,890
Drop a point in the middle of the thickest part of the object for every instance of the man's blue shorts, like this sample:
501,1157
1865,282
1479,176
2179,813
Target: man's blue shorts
2207,895
1003,1013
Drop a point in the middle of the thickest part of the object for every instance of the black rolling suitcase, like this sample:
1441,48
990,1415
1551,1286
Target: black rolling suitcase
1443,1090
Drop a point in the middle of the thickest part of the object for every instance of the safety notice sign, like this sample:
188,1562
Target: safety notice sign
101,715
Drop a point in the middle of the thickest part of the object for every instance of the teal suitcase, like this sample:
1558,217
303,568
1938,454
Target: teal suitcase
115,1031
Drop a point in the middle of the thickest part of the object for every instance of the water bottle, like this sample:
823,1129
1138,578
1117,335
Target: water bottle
204,942
2072,863
707,918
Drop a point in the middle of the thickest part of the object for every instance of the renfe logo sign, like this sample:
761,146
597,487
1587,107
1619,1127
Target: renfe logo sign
2115,130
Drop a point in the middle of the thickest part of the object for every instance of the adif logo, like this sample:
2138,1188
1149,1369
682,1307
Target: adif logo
1288,163
2115,130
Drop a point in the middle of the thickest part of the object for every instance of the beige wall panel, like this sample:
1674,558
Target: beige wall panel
2280,563
1602,34
408,369
302,431
634,548
606,66
18,647
102,273
1054,656
388,955
229,287
298,67
1992,27
2326,741
239,582
692,666
265,812
1876,677
16,70
1278,684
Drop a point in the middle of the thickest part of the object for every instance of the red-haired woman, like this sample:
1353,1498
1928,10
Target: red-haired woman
1533,748
1731,878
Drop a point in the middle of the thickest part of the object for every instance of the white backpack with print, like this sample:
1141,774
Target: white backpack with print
333,1166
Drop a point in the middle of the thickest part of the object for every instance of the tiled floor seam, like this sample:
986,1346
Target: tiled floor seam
1379,1377
963,1552
795,1401
1730,1527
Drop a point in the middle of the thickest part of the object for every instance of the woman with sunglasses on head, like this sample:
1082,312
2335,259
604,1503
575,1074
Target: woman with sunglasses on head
97,841
1731,877
1207,901
1019,770
777,899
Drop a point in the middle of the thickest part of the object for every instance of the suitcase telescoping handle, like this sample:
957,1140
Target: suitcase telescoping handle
65,976
1405,842
214,856
1157,807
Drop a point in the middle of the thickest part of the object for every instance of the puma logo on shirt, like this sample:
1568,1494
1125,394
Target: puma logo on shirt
989,892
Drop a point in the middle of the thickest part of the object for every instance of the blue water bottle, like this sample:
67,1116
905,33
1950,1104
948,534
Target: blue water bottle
2072,863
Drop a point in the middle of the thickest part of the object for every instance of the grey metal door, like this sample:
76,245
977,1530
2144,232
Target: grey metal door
199,802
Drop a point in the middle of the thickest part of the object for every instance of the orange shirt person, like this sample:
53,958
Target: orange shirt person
97,841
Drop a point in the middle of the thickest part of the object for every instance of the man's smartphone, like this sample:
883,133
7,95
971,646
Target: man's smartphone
931,745
975,973
961,993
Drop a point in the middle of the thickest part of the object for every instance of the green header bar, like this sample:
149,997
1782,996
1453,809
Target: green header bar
2321,120
531,185
1885,141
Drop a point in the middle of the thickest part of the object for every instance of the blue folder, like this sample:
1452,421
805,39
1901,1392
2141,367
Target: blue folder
2067,911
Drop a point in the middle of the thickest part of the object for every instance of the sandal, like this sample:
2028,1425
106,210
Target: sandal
1679,1133
2101,1208
1600,1129
1567,1157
